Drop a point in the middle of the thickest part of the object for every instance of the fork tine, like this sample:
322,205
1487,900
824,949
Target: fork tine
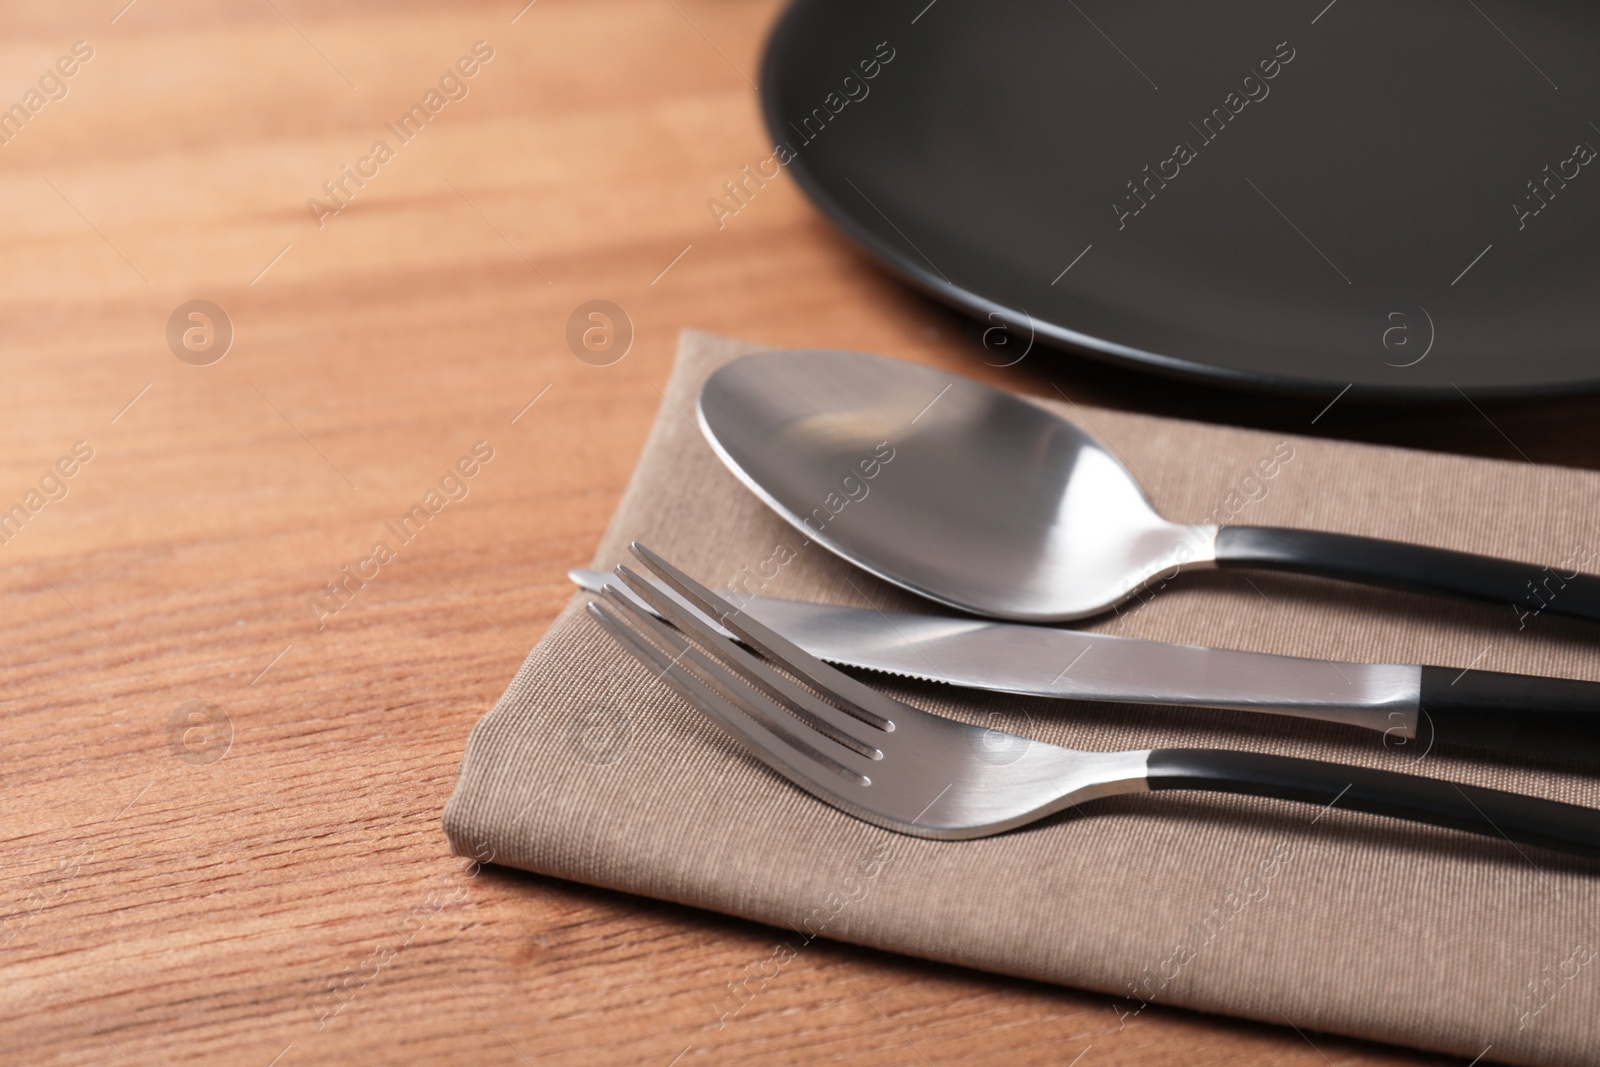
706,676
824,781
860,700
846,729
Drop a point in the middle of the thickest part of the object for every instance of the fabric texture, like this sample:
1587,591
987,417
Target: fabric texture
591,770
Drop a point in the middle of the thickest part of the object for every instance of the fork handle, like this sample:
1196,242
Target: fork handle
1528,588
1491,812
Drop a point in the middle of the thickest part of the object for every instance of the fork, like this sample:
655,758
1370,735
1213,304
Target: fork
916,773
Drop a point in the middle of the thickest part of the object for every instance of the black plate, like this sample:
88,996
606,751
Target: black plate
1379,211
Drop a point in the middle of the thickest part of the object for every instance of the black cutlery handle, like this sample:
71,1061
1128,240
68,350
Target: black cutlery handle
1491,812
1511,712
1528,588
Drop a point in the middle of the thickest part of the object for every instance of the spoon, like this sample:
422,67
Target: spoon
981,500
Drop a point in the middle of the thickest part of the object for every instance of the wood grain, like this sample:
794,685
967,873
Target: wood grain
157,906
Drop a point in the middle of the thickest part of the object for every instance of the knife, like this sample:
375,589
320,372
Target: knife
1486,709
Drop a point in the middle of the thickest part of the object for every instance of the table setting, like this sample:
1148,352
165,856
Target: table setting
1333,904
800,532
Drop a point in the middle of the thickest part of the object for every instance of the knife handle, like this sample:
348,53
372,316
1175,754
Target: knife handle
1528,588
1511,712
1490,812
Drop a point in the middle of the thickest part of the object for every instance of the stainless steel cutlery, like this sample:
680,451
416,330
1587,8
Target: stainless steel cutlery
1486,709
983,501
921,774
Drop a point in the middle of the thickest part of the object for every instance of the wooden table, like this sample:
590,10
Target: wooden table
218,800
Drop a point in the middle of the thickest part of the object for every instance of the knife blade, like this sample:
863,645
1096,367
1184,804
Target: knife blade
1046,661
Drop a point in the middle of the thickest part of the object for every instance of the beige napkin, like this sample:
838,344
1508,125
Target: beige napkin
588,769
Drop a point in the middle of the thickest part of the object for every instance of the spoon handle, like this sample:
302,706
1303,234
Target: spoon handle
1490,812
1527,588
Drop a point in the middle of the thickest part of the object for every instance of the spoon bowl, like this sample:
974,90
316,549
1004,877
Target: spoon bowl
964,494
